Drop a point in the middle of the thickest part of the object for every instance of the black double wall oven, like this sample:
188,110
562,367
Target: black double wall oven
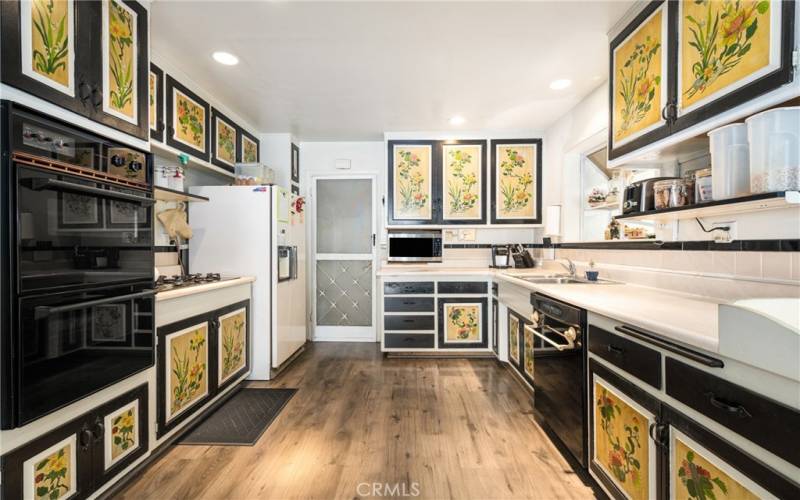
77,264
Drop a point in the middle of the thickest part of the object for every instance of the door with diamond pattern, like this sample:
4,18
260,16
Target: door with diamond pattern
344,227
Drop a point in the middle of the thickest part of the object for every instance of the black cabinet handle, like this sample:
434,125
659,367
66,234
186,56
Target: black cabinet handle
408,321
727,406
84,91
617,351
85,438
654,339
160,127
408,339
97,430
658,434
97,96
409,303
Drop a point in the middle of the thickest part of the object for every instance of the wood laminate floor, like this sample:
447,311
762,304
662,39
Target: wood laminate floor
442,428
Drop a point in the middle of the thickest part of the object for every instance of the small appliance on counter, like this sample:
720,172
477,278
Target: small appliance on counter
415,246
522,257
639,196
500,256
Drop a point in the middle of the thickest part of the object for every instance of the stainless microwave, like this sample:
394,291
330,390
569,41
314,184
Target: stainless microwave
415,246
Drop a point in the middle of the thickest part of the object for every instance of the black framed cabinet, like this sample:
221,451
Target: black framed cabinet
82,455
90,57
682,62
197,358
463,323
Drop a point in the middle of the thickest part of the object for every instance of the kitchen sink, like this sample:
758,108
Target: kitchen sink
564,280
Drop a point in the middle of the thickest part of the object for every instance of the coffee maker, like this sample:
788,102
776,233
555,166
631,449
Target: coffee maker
501,255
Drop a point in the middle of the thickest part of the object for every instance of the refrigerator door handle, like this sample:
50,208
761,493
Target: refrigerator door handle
293,264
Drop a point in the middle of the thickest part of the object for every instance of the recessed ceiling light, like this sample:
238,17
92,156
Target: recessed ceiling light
457,120
225,58
560,84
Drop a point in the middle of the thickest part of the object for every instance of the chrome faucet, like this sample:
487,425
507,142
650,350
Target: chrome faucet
570,267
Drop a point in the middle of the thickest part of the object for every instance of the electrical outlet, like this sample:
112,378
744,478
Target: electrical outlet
724,236
466,234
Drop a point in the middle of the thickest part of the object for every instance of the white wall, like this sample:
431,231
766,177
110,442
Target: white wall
276,153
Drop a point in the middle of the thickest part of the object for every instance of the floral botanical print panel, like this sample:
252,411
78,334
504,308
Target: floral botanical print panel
515,184
226,142
51,474
722,43
119,56
695,475
249,150
513,338
639,79
189,121
187,368
48,43
412,182
134,165
463,323
153,93
527,351
122,433
621,445
232,343
462,181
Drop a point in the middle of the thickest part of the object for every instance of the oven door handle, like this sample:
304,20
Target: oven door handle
59,185
45,311
560,347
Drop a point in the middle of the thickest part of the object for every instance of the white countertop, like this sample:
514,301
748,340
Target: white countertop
207,287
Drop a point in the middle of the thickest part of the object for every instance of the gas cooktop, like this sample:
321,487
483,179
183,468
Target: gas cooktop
164,283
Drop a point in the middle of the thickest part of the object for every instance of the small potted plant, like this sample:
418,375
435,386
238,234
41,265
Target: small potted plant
592,273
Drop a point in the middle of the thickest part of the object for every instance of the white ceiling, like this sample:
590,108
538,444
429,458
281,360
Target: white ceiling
352,70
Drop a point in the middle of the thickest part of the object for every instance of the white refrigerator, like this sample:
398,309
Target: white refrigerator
257,231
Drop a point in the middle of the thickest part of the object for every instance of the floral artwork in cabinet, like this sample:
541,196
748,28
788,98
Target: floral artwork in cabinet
527,352
249,150
51,474
621,444
189,119
412,183
232,344
225,137
462,182
516,170
186,368
48,43
120,52
122,433
723,46
639,79
696,473
153,99
463,323
513,338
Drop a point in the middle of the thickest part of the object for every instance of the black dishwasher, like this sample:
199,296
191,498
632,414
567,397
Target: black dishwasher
559,369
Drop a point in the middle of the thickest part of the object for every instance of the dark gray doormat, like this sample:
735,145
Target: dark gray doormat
242,419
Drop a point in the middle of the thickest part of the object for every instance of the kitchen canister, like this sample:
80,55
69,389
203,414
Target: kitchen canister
730,161
774,137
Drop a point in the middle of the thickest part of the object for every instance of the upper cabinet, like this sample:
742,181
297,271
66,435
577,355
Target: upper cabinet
680,63
448,182
90,57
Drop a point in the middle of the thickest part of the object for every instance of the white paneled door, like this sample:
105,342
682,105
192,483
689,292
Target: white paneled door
344,258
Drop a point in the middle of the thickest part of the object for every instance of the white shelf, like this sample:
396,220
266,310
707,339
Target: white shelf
166,194
745,204
170,152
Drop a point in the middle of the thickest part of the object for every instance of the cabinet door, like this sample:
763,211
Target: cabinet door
495,325
54,466
231,338
463,323
752,43
184,361
463,178
703,465
121,434
622,456
414,172
46,54
639,81
516,181
156,103
515,323
188,120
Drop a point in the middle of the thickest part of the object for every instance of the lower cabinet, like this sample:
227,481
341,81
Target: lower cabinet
197,358
82,455
495,325
642,448
520,345
463,323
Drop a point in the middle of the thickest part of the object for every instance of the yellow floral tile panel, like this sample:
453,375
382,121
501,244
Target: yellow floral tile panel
189,121
232,343
722,43
515,184
463,323
122,433
412,182
461,182
513,338
621,444
48,45
226,142
527,353
51,475
120,60
249,150
187,368
153,93
638,79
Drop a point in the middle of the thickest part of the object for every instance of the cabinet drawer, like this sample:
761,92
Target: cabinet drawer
408,304
636,359
410,322
462,287
407,287
765,422
408,340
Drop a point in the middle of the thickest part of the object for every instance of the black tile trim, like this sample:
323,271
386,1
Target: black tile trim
699,245
489,245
